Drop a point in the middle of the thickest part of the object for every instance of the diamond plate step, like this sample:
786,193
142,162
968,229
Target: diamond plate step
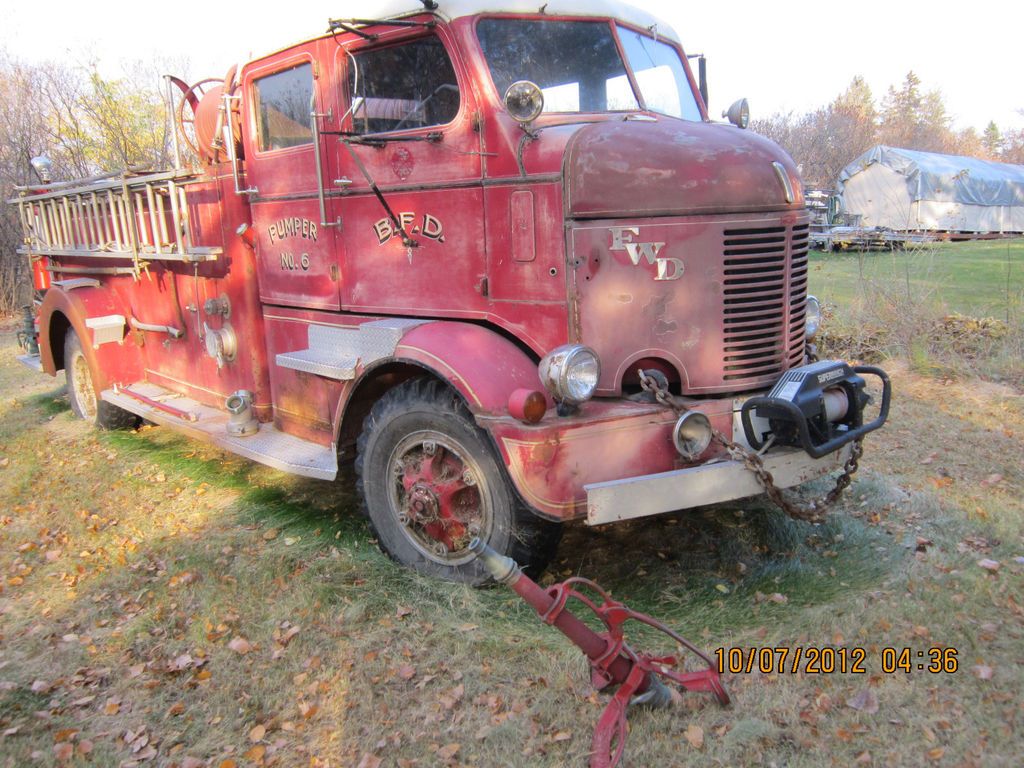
335,352
320,362
268,446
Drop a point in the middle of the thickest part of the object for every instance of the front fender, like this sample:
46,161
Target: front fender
483,366
115,361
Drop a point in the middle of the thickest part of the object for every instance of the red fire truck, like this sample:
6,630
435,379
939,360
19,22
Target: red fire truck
496,254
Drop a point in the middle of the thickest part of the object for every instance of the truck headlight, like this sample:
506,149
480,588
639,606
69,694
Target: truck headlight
813,317
570,373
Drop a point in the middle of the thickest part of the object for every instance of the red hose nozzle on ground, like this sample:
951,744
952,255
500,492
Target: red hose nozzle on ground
613,662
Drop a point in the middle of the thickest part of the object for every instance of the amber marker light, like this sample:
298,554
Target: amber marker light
527,405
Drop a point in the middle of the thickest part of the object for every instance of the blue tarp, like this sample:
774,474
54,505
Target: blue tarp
946,178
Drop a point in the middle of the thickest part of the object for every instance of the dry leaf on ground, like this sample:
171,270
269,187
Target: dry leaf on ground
865,701
695,735
982,672
369,761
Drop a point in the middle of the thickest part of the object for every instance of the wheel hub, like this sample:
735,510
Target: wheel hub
437,497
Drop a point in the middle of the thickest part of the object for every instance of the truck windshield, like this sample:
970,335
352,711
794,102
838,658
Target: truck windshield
660,75
578,66
575,63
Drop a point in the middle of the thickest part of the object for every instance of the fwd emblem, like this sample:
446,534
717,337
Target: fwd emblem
622,240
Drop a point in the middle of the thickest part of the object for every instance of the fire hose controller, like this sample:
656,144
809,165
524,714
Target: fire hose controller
817,407
638,678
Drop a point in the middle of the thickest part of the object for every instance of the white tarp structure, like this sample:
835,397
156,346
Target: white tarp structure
907,190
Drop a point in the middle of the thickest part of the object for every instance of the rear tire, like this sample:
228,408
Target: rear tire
430,482
85,402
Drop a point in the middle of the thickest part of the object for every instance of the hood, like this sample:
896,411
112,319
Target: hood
674,168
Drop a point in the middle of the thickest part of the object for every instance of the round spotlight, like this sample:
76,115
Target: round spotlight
524,101
570,373
692,434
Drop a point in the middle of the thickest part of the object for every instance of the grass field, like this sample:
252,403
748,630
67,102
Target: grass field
982,278
166,604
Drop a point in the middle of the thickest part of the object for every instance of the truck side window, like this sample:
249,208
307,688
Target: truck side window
412,85
284,101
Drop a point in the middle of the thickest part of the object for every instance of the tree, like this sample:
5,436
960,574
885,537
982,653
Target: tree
915,120
1013,148
84,123
992,140
825,141
23,135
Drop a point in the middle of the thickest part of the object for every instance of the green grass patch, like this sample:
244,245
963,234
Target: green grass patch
982,278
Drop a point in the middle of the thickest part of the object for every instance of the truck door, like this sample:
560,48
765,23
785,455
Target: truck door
408,125
296,254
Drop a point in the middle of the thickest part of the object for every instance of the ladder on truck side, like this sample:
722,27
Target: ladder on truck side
141,217
144,218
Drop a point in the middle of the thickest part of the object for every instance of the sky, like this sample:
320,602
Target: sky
784,57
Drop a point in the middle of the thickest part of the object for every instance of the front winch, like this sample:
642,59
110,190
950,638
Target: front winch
818,407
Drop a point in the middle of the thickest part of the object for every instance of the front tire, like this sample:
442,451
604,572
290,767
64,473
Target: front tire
430,483
85,401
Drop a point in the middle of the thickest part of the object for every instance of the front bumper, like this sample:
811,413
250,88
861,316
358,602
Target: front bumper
713,483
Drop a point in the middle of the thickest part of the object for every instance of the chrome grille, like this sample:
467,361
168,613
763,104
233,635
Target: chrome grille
764,302
799,246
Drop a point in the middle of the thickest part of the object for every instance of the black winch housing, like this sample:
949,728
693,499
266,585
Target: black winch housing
797,412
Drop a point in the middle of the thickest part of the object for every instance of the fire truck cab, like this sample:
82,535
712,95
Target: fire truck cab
495,253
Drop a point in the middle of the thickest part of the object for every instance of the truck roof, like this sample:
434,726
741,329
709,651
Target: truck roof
454,9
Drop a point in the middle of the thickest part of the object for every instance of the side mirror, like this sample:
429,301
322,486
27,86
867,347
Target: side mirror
738,113
43,168
524,101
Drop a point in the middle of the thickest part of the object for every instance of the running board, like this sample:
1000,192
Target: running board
335,352
269,446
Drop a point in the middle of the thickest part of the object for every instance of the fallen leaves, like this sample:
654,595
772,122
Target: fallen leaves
240,645
695,735
992,566
449,751
449,699
63,751
256,753
994,479
286,636
257,733
982,671
406,672
864,701
369,761
182,579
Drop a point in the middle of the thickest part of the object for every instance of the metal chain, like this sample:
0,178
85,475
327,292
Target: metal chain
810,511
